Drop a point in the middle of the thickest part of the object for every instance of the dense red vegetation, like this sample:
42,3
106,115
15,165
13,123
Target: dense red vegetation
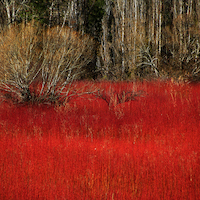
104,148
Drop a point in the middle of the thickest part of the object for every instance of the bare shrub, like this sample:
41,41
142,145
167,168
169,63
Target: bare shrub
113,97
53,56
147,64
65,54
19,60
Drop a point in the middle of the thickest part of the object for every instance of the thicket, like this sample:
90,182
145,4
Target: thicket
150,39
133,38
39,64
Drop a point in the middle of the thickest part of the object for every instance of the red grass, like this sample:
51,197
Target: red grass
143,149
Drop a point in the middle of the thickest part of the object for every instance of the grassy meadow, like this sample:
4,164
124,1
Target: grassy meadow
129,140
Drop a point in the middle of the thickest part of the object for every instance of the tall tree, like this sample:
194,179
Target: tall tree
13,8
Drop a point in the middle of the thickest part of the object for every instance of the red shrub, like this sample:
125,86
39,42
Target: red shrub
147,148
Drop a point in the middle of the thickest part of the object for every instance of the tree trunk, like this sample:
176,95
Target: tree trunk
175,33
7,6
123,29
135,29
160,28
181,30
51,14
58,12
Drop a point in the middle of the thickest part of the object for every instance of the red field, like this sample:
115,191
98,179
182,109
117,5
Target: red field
104,148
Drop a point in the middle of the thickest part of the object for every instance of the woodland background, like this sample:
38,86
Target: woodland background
64,137
133,38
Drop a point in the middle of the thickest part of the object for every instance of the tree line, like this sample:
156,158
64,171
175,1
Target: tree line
133,38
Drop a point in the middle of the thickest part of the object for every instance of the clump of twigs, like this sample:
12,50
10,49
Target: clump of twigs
113,97
147,63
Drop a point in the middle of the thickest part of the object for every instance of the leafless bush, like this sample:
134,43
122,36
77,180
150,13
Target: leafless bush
19,60
146,62
65,53
53,56
113,98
